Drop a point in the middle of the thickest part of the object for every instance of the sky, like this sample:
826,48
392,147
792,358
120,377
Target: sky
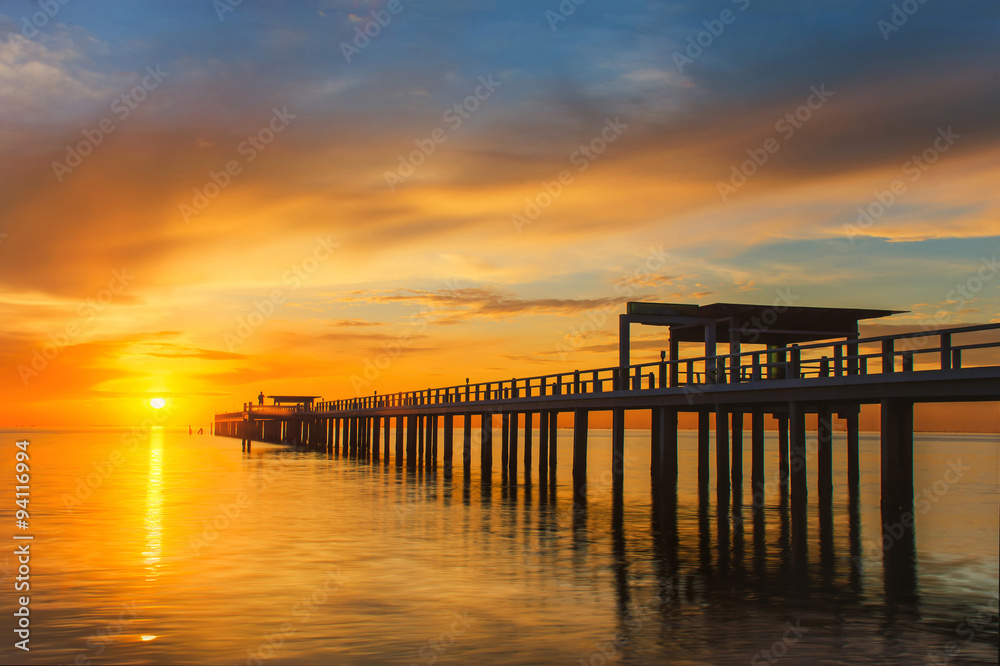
202,200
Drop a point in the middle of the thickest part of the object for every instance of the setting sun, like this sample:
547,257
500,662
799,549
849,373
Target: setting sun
157,403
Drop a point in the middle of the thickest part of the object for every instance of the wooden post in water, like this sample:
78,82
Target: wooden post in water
704,422
486,443
656,442
580,417
467,443
783,453
897,455
399,441
527,445
853,459
433,428
412,426
722,454
757,455
737,449
898,539
797,453
385,438
668,455
824,453
617,449
504,440
420,440
336,435
553,449
512,454
449,440
543,445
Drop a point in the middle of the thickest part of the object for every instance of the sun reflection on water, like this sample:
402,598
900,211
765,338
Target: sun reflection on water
154,506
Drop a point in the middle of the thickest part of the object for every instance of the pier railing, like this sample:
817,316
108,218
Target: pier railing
907,352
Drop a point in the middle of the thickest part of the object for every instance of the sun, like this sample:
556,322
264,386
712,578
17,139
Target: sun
157,403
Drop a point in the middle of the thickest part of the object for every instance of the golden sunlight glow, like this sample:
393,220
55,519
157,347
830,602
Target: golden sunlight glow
157,403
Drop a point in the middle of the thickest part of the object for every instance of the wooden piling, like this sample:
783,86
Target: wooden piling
512,453
797,453
486,443
757,455
412,425
617,449
399,441
385,438
668,452
704,423
553,448
543,445
783,453
504,440
449,439
853,457
722,453
528,436
580,418
737,451
897,456
824,453
467,442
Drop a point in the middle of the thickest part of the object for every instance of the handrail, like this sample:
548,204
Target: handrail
751,366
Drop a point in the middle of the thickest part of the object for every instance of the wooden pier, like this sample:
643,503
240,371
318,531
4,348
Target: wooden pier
806,361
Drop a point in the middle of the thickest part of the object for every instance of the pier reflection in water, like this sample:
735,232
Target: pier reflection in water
517,572
807,571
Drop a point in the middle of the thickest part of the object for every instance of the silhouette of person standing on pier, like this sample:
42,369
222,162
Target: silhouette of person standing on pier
260,399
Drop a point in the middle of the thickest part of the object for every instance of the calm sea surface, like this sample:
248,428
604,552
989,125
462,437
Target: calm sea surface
178,549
